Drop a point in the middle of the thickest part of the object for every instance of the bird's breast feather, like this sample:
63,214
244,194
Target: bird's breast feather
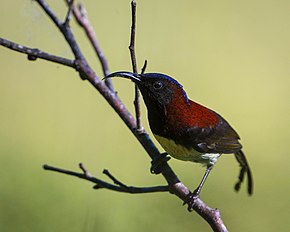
184,153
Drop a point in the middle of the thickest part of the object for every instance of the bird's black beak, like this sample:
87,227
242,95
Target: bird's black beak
132,76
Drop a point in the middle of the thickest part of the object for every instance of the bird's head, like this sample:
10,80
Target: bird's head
156,88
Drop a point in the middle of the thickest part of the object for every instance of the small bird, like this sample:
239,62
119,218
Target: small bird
185,129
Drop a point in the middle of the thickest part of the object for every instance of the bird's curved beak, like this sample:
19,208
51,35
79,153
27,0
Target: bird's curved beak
129,75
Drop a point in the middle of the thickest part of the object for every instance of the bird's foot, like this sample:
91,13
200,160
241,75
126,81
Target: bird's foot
190,200
157,163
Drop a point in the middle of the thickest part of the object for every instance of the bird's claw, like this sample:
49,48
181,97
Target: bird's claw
190,200
157,163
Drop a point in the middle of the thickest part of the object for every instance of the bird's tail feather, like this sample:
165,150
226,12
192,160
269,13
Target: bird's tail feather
241,158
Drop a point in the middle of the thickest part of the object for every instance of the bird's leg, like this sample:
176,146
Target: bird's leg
157,162
196,192
192,196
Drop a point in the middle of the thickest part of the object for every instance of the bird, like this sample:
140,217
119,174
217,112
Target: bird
187,130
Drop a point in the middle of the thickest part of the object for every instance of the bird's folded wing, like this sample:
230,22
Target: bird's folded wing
221,138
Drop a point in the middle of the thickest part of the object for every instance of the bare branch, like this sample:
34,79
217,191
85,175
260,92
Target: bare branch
119,187
144,67
81,15
68,15
114,179
132,37
34,53
140,128
85,171
49,12
212,216
64,28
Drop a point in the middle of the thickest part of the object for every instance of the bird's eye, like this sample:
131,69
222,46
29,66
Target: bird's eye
157,85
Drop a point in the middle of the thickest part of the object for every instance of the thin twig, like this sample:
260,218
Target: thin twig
85,170
144,67
114,179
139,128
81,16
68,15
132,37
49,12
34,53
103,184
65,30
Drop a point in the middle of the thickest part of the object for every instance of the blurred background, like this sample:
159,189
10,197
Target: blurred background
232,56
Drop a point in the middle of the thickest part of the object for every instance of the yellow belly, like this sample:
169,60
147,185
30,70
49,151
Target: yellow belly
187,154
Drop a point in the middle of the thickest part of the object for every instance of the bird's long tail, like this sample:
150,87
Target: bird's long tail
241,158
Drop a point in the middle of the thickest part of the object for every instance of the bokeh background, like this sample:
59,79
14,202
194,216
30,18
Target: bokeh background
232,56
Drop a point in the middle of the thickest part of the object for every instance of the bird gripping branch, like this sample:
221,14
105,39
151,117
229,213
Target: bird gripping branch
185,129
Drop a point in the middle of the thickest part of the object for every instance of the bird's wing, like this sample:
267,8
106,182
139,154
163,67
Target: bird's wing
220,138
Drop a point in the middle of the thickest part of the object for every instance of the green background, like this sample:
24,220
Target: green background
232,56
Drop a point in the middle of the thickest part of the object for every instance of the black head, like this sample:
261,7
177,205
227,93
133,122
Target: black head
156,88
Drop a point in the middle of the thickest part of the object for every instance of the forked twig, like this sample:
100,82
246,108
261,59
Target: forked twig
81,15
68,15
117,186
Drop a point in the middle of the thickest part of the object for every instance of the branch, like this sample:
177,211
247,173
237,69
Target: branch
34,53
212,216
100,184
144,67
140,128
81,16
68,15
64,28
132,37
